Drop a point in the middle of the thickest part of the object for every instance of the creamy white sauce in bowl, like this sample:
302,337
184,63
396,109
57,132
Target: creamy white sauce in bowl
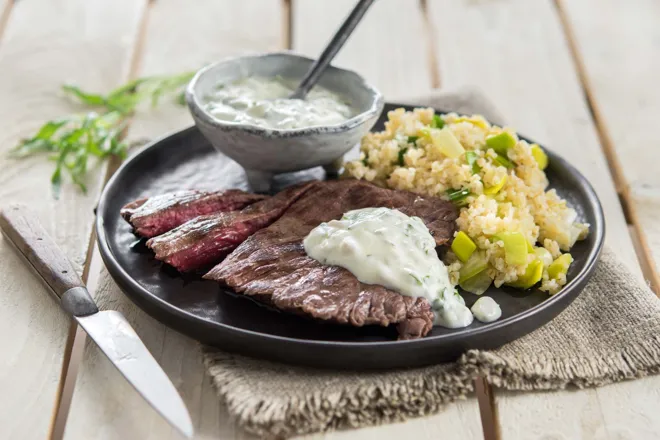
264,102
386,247
262,150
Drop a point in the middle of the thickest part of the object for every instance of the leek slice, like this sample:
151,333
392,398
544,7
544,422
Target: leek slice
476,263
477,284
501,142
560,266
446,142
540,156
463,246
515,247
492,190
532,275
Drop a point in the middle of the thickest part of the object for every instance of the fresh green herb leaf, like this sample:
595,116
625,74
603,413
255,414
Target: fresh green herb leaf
501,142
458,197
402,152
504,161
365,161
71,140
56,179
471,158
90,99
413,140
181,99
49,129
416,278
437,122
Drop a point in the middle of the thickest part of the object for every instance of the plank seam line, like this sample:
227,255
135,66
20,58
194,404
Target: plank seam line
642,249
5,13
76,339
488,411
287,25
430,36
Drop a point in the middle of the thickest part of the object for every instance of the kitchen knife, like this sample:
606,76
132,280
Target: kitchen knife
109,329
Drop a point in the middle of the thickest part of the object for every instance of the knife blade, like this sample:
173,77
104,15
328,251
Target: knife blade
108,329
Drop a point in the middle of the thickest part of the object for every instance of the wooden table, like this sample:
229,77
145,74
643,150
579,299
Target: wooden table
579,76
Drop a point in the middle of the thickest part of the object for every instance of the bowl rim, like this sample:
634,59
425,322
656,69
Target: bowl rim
200,114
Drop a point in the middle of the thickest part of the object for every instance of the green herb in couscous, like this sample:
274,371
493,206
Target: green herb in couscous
511,229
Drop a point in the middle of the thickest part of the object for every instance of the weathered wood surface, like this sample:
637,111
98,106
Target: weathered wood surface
391,49
513,49
23,229
116,411
45,43
620,51
176,39
516,51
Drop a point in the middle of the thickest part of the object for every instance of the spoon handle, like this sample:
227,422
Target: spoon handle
338,40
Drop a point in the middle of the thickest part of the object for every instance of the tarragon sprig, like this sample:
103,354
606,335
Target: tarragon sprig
70,141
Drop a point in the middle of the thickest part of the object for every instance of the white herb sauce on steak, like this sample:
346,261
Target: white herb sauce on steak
271,265
386,247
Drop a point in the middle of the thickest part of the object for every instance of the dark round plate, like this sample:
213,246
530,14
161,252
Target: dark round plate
204,311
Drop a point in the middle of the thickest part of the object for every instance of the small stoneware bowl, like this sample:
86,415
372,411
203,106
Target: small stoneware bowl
265,152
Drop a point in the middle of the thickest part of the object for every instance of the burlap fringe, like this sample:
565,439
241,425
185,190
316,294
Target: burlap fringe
398,400
386,402
270,413
540,373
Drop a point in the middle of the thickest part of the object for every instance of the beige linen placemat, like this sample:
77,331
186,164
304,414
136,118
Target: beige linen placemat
609,333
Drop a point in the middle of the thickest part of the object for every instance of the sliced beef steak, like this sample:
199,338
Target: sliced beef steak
158,214
207,239
272,265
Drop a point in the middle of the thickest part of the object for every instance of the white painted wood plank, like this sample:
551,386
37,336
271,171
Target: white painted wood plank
389,47
178,38
457,421
181,38
525,68
45,44
620,48
516,52
5,8
116,411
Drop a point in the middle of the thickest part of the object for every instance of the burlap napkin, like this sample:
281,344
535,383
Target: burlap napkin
609,333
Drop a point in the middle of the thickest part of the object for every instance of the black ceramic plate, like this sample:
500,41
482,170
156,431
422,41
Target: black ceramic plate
204,311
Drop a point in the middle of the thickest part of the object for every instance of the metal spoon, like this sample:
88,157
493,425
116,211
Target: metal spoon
314,73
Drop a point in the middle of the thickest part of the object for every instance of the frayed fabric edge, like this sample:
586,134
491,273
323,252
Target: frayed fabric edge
315,412
373,405
541,373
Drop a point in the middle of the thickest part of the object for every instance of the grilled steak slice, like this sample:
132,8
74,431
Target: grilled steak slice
158,214
207,239
272,265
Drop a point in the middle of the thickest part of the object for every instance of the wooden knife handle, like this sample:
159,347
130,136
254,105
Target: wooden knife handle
21,226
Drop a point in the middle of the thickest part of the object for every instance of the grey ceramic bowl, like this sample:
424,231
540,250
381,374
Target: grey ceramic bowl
264,152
